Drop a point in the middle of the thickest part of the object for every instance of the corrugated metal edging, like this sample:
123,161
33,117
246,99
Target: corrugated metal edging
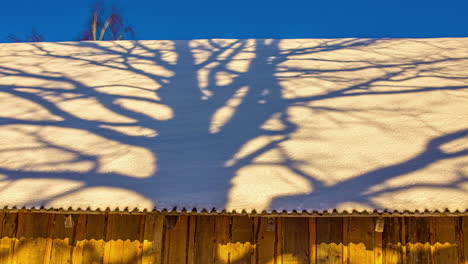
274,213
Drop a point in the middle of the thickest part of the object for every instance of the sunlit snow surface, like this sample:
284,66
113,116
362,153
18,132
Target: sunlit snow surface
300,124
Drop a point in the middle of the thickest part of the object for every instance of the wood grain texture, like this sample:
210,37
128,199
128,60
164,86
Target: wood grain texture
330,240
8,229
191,242
279,241
32,237
91,237
265,240
222,239
464,237
175,242
296,240
205,239
378,248
79,239
111,238
312,240
152,239
123,239
418,240
445,240
61,251
393,240
345,256
361,240
242,247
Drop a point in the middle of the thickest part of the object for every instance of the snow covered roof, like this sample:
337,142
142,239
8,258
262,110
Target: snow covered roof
314,125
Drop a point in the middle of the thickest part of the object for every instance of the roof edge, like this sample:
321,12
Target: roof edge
253,213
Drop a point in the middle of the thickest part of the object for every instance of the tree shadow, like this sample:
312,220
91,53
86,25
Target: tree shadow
231,124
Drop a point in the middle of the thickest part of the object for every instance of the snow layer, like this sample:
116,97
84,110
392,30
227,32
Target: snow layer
236,125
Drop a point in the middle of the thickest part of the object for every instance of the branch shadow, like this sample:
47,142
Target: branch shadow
220,124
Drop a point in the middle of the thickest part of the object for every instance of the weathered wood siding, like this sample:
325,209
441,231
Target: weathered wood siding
27,237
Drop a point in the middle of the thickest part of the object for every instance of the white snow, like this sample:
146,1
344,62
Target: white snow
232,125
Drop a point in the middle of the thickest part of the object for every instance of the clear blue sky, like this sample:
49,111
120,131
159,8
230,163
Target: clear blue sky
63,20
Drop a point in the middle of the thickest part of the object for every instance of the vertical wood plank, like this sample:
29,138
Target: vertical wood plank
32,238
312,240
222,236
418,238
378,248
90,238
3,249
405,239
175,242
140,238
279,241
152,239
345,240
445,246
242,249
122,239
361,240
329,240
265,240
48,250
393,240
296,240
61,241
191,242
79,238
205,239
459,239
8,228
465,238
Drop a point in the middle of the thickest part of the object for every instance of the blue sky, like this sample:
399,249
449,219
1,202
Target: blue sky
60,20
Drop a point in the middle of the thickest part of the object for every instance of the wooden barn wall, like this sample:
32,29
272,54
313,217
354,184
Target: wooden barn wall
111,238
